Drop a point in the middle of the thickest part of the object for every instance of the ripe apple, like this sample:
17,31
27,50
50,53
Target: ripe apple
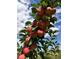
41,24
21,56
50,10
40,11
40,33
26,50
35,23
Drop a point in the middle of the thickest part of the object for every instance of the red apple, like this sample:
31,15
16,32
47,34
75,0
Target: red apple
26,50
21,56
50,11
40,33
40,11
35,23
41,24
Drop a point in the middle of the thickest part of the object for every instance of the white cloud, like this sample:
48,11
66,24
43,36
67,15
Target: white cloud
58,10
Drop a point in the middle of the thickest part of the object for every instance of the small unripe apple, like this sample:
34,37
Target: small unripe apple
26,50
21,56
40,33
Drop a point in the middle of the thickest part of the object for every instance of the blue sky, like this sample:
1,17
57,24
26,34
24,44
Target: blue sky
23,16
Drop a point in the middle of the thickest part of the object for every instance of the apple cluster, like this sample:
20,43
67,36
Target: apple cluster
36,29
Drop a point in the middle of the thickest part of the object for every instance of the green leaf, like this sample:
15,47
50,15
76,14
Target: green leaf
21,33
34,10
23,30
51,25
47,17
34,28
36,5
26,33
28,23
54,31
37,17
50,31
53,20
33,15
22,39
30,42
